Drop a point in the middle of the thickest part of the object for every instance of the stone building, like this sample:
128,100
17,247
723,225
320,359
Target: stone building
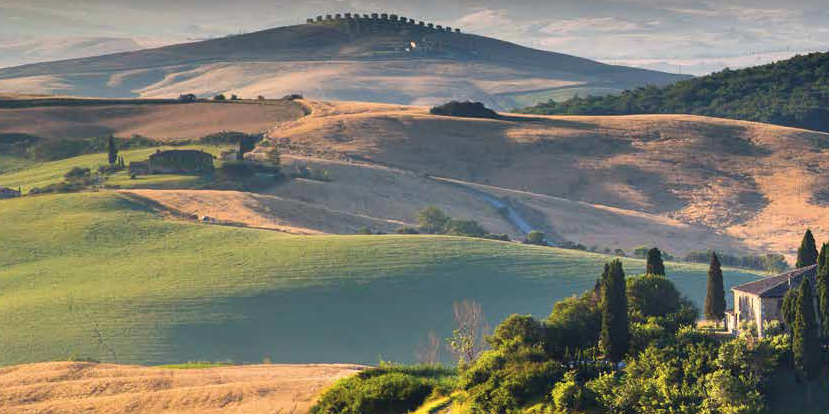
761,301
174,162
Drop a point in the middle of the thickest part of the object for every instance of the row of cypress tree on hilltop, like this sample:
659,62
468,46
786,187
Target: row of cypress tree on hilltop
792,93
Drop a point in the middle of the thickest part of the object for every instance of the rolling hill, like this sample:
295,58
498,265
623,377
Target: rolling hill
380,61
758,185
102,275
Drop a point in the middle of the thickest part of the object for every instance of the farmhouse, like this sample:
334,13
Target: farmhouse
8,193
174,162
761,301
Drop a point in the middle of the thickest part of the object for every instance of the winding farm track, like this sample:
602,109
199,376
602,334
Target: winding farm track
80,387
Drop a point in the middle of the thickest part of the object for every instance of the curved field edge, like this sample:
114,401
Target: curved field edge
98,275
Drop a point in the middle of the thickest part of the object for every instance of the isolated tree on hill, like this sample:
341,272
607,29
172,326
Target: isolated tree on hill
805,343
655,265
112,151
615,334
432,220
535,237
823,293
807,253
715,299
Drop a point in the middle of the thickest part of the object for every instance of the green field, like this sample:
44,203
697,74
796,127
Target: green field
99,275
45,173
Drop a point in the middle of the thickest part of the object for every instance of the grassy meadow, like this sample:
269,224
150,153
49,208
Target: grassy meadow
99,275
45,173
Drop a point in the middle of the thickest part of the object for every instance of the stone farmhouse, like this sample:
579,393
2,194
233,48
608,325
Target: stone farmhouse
174,162
761,301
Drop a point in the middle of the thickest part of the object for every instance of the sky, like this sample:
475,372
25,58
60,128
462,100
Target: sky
672,35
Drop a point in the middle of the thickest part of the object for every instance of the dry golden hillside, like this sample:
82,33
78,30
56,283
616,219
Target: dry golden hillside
755,184
79,387
159,121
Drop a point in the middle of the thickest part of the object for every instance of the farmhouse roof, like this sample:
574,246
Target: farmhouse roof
777,286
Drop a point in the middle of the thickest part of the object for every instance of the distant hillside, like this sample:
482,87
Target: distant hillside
377,60
757,183
792,92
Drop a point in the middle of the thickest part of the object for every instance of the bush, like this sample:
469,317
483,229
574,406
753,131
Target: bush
467,228
568,395
77,174
407,230
499,382
220,97
536,237
518,330
464,109
499,237
384,390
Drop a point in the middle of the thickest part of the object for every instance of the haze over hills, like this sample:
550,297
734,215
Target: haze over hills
354,59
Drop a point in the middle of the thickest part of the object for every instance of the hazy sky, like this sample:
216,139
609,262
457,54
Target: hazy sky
611,30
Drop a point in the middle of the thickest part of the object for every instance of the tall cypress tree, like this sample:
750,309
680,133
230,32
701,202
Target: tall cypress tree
823,292
655,265
807,253
715,299
112,150
805,342
615,335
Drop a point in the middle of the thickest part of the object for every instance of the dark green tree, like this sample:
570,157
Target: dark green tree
536,237
807,253
823,292
112,151
655,265
615,334
432,220
805,342
715,299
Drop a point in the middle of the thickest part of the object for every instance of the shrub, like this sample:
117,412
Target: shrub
568,395
467,228
464,109
499,237
77,174
501,381
189,97
220,97
234,97
365,231
536,237
383,390
407,230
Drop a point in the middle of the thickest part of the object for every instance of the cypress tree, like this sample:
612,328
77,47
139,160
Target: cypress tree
805,342
112,150
823,292
615,335
807,253
715,299
655,265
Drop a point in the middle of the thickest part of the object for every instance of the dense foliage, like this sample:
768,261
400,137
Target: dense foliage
465,110
385,390
792,92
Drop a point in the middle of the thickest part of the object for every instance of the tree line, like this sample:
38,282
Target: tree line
791,93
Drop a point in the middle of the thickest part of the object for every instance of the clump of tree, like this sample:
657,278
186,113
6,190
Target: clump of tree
76,179
433,220
768,262
219,97
464,110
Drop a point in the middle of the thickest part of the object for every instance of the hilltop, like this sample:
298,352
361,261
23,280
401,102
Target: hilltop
371,58
791,92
